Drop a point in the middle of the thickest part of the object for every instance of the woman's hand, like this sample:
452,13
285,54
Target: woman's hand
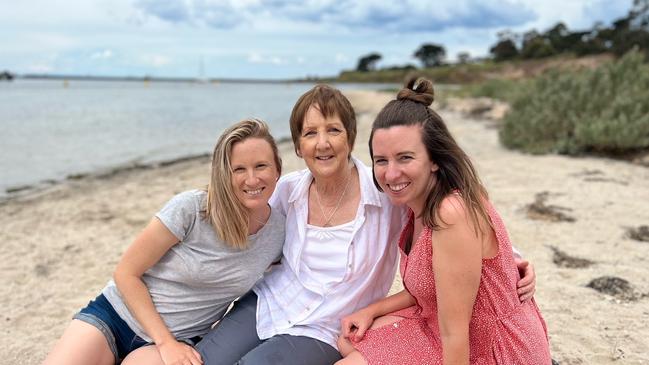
355,324
178,353
527,284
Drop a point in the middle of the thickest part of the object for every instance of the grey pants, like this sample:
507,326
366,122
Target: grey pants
234,341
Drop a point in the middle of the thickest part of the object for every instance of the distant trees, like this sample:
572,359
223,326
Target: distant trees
6,75
463,58
430,54
536,45
505,49
368,62
623,35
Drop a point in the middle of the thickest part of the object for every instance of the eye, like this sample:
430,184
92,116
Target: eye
238,169
308,133
405,158
380,161
335,131
261,166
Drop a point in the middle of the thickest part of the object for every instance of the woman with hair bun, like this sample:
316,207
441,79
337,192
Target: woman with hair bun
460,303
200,252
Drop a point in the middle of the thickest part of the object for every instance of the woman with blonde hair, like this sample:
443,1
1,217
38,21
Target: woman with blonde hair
460,304
202,250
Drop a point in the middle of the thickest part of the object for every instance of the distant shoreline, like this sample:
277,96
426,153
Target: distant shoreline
18,191
166,79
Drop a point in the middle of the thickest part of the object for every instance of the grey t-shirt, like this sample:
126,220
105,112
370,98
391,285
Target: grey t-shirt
196,280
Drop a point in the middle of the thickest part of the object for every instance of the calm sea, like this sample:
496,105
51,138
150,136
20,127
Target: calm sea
52,129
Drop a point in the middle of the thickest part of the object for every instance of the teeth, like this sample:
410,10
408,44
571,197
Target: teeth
253,192
398,187
323,157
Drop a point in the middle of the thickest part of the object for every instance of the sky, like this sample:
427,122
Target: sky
274,39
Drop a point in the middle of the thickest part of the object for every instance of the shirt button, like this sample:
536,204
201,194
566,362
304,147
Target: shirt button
289,322
308,308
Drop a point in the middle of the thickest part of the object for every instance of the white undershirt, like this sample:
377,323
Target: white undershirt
325,251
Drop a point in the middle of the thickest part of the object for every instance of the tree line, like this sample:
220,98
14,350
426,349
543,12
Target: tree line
624,34
429,54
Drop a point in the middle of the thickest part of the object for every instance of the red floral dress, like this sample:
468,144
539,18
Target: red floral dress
502,329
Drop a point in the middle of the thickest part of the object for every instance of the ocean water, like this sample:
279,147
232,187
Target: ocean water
51,129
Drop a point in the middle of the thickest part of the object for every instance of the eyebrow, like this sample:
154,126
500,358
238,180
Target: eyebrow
398,154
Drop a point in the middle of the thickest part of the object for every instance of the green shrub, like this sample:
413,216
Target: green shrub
603,110
502,89
448,74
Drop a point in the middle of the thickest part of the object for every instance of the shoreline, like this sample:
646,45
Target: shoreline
26,190
572,217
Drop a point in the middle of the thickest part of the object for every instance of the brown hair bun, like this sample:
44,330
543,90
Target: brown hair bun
419,90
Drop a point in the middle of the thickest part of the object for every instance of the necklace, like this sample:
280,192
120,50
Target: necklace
335,209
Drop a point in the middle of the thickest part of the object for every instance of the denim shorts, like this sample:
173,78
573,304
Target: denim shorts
121,338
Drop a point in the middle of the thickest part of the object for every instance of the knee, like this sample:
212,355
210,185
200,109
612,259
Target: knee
208,350
344,346
344,361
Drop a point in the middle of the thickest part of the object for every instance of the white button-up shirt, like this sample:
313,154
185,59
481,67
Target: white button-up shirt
290,298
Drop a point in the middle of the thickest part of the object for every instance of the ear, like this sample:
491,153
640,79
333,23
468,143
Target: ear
297,152
434,167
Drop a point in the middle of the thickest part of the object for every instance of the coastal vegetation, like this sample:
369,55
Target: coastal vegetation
570,92
604,110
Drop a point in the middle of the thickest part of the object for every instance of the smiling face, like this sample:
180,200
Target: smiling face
323,144
254,172
402,166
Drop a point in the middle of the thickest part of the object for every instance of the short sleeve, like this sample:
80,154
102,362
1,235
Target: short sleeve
180,212
279,199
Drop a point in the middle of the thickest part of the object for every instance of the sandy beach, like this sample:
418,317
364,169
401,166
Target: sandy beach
570,216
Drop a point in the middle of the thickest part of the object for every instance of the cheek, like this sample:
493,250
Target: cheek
379,174
235,185
302,146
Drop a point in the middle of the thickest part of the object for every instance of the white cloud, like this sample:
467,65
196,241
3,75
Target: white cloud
39,68
255,57
576,15
278,38
341,58
155,60
102,55
259,58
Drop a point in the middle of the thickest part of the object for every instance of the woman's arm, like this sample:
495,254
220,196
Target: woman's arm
457,265
358,322
145,251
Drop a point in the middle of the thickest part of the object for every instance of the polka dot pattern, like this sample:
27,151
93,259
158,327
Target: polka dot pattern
502,329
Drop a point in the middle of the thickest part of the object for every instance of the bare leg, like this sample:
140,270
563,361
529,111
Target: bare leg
345,346
145,355
81,343
353,358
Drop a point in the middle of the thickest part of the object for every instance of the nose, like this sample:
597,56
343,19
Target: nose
251,178
392,172
323,141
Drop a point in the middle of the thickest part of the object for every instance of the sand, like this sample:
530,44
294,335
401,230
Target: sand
60,245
